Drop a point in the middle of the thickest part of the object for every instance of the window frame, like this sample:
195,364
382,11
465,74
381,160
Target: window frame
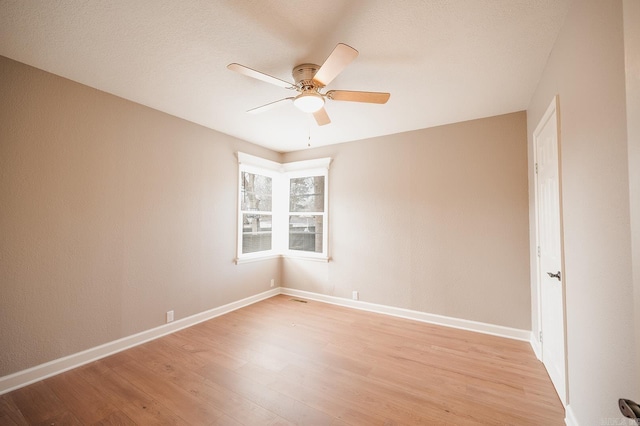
302,173
259,166
280,175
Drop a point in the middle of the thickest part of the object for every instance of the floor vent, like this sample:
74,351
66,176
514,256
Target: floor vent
298,300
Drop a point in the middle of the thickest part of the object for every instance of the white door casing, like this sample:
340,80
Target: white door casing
550,281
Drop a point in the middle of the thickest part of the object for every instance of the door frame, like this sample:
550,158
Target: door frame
554,108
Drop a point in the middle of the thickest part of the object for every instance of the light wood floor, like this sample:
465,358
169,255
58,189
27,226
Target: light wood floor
282,362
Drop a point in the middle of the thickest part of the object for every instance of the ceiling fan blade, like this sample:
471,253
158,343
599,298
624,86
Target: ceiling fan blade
321,117
341,56
268,106
368,97
260,75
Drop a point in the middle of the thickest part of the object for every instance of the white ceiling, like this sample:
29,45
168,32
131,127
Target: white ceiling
443,61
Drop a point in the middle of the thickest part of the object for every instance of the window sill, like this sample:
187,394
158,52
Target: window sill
311,258
239,261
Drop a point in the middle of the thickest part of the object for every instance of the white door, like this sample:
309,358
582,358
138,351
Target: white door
550,274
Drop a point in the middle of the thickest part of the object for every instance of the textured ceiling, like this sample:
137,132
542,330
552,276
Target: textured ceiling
443,61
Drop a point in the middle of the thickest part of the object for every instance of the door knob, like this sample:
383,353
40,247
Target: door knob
556,275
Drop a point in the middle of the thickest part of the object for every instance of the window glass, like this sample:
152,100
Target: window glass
306,233
306,194
256,233
256,194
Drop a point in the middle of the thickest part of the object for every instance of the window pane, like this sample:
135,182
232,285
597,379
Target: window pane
255,193
305,233
256,232
306,194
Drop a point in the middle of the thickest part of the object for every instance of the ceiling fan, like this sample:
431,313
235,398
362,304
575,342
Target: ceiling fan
310,79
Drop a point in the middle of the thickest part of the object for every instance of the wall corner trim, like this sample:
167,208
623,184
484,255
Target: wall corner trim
570,418
535,345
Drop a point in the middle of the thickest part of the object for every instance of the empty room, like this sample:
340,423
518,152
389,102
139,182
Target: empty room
340,213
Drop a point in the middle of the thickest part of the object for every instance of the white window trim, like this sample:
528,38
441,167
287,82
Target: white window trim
307,165
263,163
280,175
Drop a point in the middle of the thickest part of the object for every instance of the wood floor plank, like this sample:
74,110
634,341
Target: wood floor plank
174,369
86,402
187,406
283,362
134,403
115,418
362,394
37,402
320,398
204,349
10,414
65,418
284,406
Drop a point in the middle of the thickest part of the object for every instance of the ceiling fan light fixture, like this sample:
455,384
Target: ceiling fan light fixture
309,101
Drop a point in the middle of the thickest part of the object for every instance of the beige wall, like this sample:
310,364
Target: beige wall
433,220
586,70
111,214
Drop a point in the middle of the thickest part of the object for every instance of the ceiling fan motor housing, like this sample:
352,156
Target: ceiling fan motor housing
303,76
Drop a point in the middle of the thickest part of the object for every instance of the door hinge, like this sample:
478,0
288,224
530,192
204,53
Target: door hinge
536,168
538,251
540,336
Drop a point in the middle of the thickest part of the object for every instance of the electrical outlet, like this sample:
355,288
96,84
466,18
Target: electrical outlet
169,316
355,295
273,282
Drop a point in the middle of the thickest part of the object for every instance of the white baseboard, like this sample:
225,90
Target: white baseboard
569,417
479,327
535,345
57,366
